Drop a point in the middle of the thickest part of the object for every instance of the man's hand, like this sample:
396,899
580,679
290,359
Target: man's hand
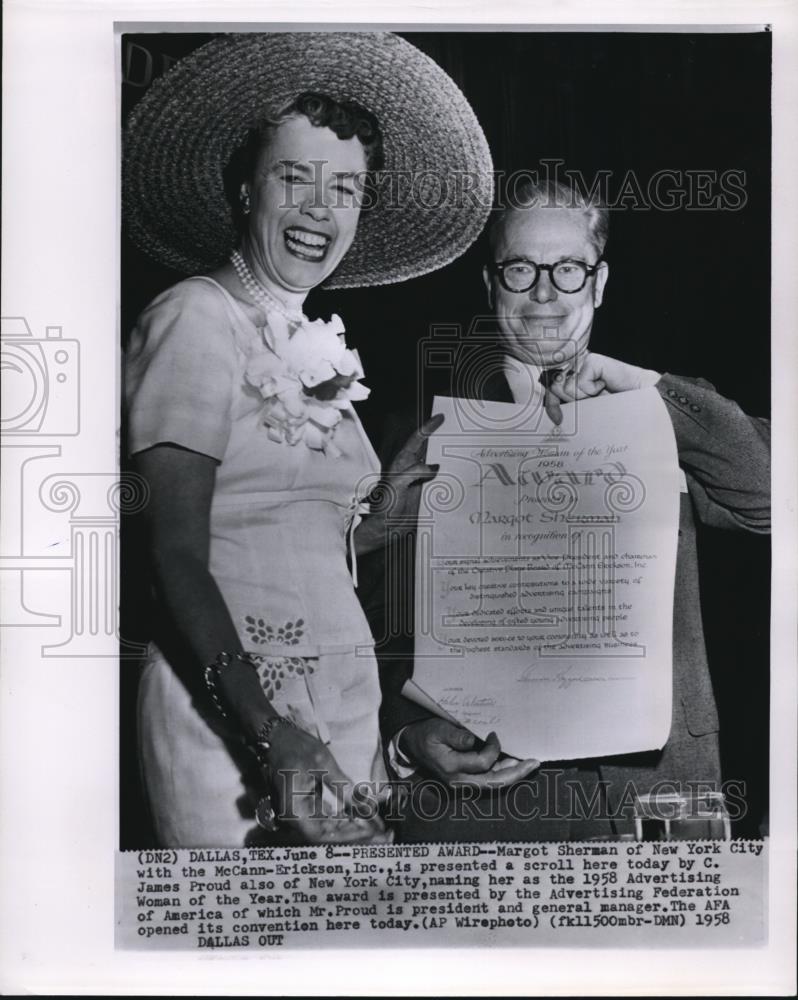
455,756
399,495
594,374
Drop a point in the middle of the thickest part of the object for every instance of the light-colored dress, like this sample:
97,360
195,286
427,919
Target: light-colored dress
279,530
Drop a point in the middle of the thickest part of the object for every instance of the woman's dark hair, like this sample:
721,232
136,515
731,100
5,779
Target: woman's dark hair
345,118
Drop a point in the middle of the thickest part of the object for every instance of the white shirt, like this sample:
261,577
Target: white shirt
524,381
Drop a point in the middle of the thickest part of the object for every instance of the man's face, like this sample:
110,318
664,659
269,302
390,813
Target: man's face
544,326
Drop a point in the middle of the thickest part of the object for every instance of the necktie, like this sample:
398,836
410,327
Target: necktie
550,401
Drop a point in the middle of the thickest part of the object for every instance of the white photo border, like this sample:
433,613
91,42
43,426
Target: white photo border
59,718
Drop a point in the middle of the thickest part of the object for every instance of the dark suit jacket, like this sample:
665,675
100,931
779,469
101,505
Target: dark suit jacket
726,459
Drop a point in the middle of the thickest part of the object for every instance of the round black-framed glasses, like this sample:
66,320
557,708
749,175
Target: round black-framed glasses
521,275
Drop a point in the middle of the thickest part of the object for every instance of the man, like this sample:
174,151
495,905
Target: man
544,283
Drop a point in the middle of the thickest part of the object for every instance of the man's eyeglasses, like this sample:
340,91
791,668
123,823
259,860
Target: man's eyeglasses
521,275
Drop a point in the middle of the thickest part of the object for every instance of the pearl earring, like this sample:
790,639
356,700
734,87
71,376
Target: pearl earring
245,202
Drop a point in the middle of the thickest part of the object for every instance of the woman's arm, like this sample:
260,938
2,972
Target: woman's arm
178,514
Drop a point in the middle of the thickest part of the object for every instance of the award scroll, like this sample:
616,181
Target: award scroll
545,570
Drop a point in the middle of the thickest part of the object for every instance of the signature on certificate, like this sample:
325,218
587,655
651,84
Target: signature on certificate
564,678
466,701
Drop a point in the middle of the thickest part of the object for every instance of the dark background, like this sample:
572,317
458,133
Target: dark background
689,290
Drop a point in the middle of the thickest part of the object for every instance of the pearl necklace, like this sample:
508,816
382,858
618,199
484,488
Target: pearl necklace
259,292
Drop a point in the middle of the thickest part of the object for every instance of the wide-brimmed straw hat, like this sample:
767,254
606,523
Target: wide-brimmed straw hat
430,203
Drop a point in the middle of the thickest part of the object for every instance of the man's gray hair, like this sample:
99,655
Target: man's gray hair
551,193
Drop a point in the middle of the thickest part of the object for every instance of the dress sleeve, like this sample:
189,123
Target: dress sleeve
180,372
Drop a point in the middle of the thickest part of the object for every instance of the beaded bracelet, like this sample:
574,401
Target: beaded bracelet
263,740
265,815
211,674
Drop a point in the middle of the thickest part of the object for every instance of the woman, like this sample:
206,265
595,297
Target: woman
241,420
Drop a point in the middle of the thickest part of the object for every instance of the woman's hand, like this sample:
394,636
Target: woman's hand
399,493
315,796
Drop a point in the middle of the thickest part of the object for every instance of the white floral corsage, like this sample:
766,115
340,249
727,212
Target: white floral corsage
308,377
